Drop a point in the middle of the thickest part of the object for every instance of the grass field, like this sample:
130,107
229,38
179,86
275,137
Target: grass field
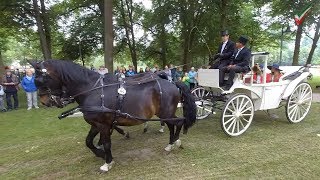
36,145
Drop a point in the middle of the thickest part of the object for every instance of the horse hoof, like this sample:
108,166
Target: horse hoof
127,135
145,130
177,143
106,167
169,147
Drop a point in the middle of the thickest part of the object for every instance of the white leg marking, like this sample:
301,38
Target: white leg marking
106,167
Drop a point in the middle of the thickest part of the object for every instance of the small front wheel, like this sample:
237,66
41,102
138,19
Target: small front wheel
204,107
237,115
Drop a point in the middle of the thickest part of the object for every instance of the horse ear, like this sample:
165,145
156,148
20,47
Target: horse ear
34,64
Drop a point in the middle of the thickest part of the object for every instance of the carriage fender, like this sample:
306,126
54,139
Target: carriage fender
293,84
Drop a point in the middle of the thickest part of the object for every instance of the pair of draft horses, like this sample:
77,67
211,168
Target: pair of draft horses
146,95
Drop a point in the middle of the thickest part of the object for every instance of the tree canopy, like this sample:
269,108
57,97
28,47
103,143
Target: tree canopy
168,31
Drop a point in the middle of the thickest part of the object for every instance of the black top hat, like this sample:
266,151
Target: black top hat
243,40
224,33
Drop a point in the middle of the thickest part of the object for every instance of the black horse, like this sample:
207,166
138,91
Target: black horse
106,102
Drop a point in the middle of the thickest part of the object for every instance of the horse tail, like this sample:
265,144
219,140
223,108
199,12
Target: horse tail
189,106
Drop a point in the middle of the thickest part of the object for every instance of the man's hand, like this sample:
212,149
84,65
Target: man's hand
217,55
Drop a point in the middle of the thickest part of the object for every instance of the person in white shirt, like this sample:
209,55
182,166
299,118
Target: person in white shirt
225,51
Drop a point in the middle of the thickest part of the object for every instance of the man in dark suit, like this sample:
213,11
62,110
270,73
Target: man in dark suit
239,62
225,51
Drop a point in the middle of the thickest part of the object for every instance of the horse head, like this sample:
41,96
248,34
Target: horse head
51,90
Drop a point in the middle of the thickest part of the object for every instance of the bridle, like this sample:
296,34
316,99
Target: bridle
57,96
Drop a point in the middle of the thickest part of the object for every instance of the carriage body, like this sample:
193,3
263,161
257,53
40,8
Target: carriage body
262,96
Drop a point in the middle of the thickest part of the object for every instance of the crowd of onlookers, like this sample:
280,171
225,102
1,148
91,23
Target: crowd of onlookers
12,81
173,73
10,85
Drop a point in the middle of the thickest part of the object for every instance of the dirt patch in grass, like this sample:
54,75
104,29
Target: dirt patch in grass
137,154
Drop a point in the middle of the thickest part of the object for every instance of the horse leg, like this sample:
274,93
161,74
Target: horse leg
170,145
162,127
177,141
105,136
121,131
145,127
89,142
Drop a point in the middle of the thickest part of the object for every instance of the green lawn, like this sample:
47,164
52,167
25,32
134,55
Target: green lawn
35,144
315,82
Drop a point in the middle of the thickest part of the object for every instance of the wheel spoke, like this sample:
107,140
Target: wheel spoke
225,123
245,110
237,104
246,114
233,105
231,115
234,125
231,124
238,126
294,105
291,113
232,111
306,95
245,105
241,123
245,120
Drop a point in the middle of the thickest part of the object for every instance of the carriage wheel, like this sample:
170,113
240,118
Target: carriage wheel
204,107
237,115
299,103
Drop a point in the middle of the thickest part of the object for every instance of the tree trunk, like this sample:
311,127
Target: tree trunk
314,43
108,35
163,45
223,15
43,40
296,52
1,66
46,26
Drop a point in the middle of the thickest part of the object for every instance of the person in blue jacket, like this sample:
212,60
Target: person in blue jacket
31,90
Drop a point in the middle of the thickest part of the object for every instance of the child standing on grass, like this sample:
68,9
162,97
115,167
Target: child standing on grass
186,80
2,108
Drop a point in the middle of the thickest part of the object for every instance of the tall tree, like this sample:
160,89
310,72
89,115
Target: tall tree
108,35
42,25
314,42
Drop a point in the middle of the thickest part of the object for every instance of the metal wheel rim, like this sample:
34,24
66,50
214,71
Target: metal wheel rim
299,103
237,115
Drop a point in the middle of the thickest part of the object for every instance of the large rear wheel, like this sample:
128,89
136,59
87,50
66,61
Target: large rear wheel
299,103
237,115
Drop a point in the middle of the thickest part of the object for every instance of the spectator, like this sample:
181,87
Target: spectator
179,74
168,72
192,76
92,68
2,108
130,72
117,70
141,70
186,79
155,68
10,83
147,69
30,89
102,70
173,73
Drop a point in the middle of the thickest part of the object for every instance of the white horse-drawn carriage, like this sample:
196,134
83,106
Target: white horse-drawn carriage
239,103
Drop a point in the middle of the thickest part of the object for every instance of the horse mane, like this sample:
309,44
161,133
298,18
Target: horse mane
69,71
